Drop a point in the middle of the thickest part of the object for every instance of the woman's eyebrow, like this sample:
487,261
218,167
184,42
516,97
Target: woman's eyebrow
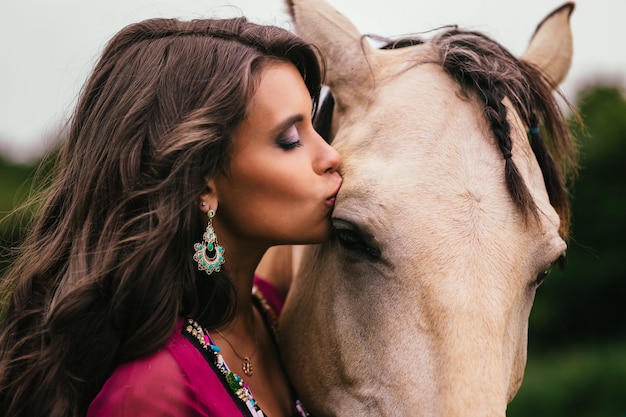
287,123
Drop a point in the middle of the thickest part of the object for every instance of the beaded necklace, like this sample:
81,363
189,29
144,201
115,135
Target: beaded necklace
234,381
236,384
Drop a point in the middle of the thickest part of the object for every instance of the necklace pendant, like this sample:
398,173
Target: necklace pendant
247,366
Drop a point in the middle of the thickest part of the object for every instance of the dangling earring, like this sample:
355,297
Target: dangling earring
209,254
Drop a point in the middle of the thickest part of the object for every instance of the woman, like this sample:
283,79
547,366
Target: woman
191,152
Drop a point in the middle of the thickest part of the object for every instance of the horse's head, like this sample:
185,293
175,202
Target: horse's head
452,210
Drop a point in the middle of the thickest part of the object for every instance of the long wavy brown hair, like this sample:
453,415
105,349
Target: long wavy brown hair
107,268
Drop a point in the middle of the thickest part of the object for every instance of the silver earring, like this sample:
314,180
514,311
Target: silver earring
209,254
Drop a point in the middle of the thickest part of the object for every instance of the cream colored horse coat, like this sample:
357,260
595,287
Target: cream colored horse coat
419,305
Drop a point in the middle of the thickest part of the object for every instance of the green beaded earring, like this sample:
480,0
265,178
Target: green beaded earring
209,254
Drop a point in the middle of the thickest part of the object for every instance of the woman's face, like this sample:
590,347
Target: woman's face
282,178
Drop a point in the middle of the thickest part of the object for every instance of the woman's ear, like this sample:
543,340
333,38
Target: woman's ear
208,199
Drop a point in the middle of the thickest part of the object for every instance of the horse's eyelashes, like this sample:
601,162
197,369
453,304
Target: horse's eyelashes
542,275
354,240
354,243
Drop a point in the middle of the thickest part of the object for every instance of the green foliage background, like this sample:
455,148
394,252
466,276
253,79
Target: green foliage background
15,187
577,338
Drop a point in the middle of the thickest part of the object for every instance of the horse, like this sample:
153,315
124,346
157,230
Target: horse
456,161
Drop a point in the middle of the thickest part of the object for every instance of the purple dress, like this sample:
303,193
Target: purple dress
187,376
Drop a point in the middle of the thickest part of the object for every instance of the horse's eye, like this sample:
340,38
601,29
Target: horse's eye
354,240
542,276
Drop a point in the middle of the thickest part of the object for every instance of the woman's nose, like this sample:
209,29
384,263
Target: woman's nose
334,159
328,159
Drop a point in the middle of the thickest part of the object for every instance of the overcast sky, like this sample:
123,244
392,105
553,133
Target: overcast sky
48,47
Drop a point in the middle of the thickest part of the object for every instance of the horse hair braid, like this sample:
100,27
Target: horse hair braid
496,114
477,67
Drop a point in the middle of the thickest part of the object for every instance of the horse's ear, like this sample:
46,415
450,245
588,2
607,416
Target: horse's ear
550,48
344,52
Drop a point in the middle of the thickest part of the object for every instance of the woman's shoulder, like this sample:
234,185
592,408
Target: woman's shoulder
176,380
149,386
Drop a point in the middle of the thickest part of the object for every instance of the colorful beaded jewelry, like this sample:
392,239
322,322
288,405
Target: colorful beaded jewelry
234,381
236,384
209,254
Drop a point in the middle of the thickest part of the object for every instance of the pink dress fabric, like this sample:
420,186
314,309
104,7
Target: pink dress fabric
176,380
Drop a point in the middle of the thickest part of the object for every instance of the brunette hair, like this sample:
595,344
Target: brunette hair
107,268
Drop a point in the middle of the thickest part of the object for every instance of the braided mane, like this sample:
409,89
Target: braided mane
483,66
486,69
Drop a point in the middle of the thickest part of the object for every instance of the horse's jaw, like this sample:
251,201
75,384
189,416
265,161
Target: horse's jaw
371,359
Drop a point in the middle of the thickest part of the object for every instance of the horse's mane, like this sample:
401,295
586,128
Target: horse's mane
483,67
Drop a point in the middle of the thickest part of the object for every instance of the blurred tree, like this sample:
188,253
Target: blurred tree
14,184
20,186
15,187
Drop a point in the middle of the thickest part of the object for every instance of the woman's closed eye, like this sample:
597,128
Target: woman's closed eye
290,139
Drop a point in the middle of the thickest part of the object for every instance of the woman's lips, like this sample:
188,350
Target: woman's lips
333,198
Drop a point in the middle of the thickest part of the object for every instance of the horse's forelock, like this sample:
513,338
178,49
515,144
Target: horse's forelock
483,66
